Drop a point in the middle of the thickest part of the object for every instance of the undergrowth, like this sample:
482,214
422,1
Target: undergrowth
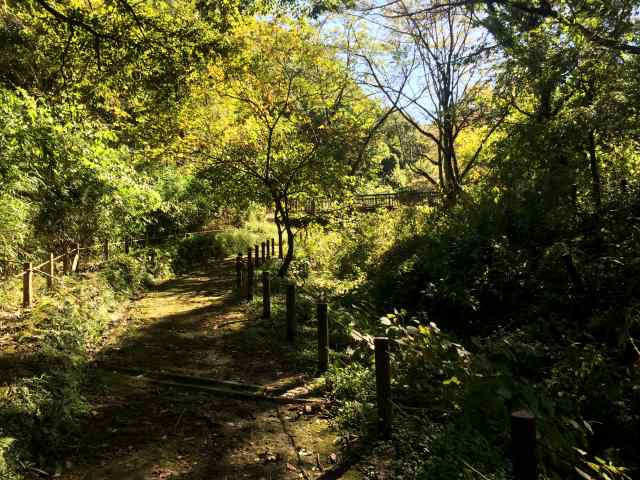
47,351
485,321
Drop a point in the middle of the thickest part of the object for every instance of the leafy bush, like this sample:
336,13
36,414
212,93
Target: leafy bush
233,242
39,411
126,273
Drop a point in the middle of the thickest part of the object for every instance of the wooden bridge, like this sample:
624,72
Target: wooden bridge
366,202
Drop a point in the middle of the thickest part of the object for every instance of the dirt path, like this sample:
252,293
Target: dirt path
138,430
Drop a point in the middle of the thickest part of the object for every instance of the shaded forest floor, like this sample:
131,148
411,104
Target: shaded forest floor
195,325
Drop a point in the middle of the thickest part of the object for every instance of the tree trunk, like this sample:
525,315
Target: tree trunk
289,256
596,179
277,216
286,222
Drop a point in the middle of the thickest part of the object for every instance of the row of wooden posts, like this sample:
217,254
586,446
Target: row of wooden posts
70,261
523,423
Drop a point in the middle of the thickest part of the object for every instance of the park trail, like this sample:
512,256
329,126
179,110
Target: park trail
147,423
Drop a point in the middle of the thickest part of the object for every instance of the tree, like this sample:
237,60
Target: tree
286,120
130,63
603,23
434,76
573,106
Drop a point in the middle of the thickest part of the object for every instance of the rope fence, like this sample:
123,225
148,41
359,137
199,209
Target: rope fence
71,260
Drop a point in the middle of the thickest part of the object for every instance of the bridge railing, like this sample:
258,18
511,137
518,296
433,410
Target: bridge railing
367,202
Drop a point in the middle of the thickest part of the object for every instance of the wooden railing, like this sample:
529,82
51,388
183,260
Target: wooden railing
366,202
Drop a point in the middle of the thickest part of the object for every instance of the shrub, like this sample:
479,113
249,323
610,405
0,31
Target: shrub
125,273
39,411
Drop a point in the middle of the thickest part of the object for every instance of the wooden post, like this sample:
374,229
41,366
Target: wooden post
268,249
291,312
266,295
257,252
249,276
523,444
27,285
383,386
76,259
66,261
263,259
273,247
323,338
239,271
106,250
126,245
51,272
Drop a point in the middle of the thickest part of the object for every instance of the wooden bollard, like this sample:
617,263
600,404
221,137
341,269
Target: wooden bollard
66,262
76,259
126,245
263,259
523,445
383,386
106,250
27,285
291,312
249,275
273,248
268,249
257,252
52,271
323,338
239,271
266,295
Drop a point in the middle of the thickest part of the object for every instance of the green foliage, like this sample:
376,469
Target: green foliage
62,174
353,387
8,458
40,407
126,273
196,251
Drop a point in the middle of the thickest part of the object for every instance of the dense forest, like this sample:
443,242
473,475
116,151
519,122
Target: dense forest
505,269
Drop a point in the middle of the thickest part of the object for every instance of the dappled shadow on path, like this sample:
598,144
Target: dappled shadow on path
136,430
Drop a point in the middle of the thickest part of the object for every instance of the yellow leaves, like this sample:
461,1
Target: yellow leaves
452,381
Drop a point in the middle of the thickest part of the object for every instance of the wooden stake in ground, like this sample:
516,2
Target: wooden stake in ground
106,250
383,386
239,271
523,444
291,313
257,255
27,285
76,259
66,262
266,295
249,275
273,248
323,338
